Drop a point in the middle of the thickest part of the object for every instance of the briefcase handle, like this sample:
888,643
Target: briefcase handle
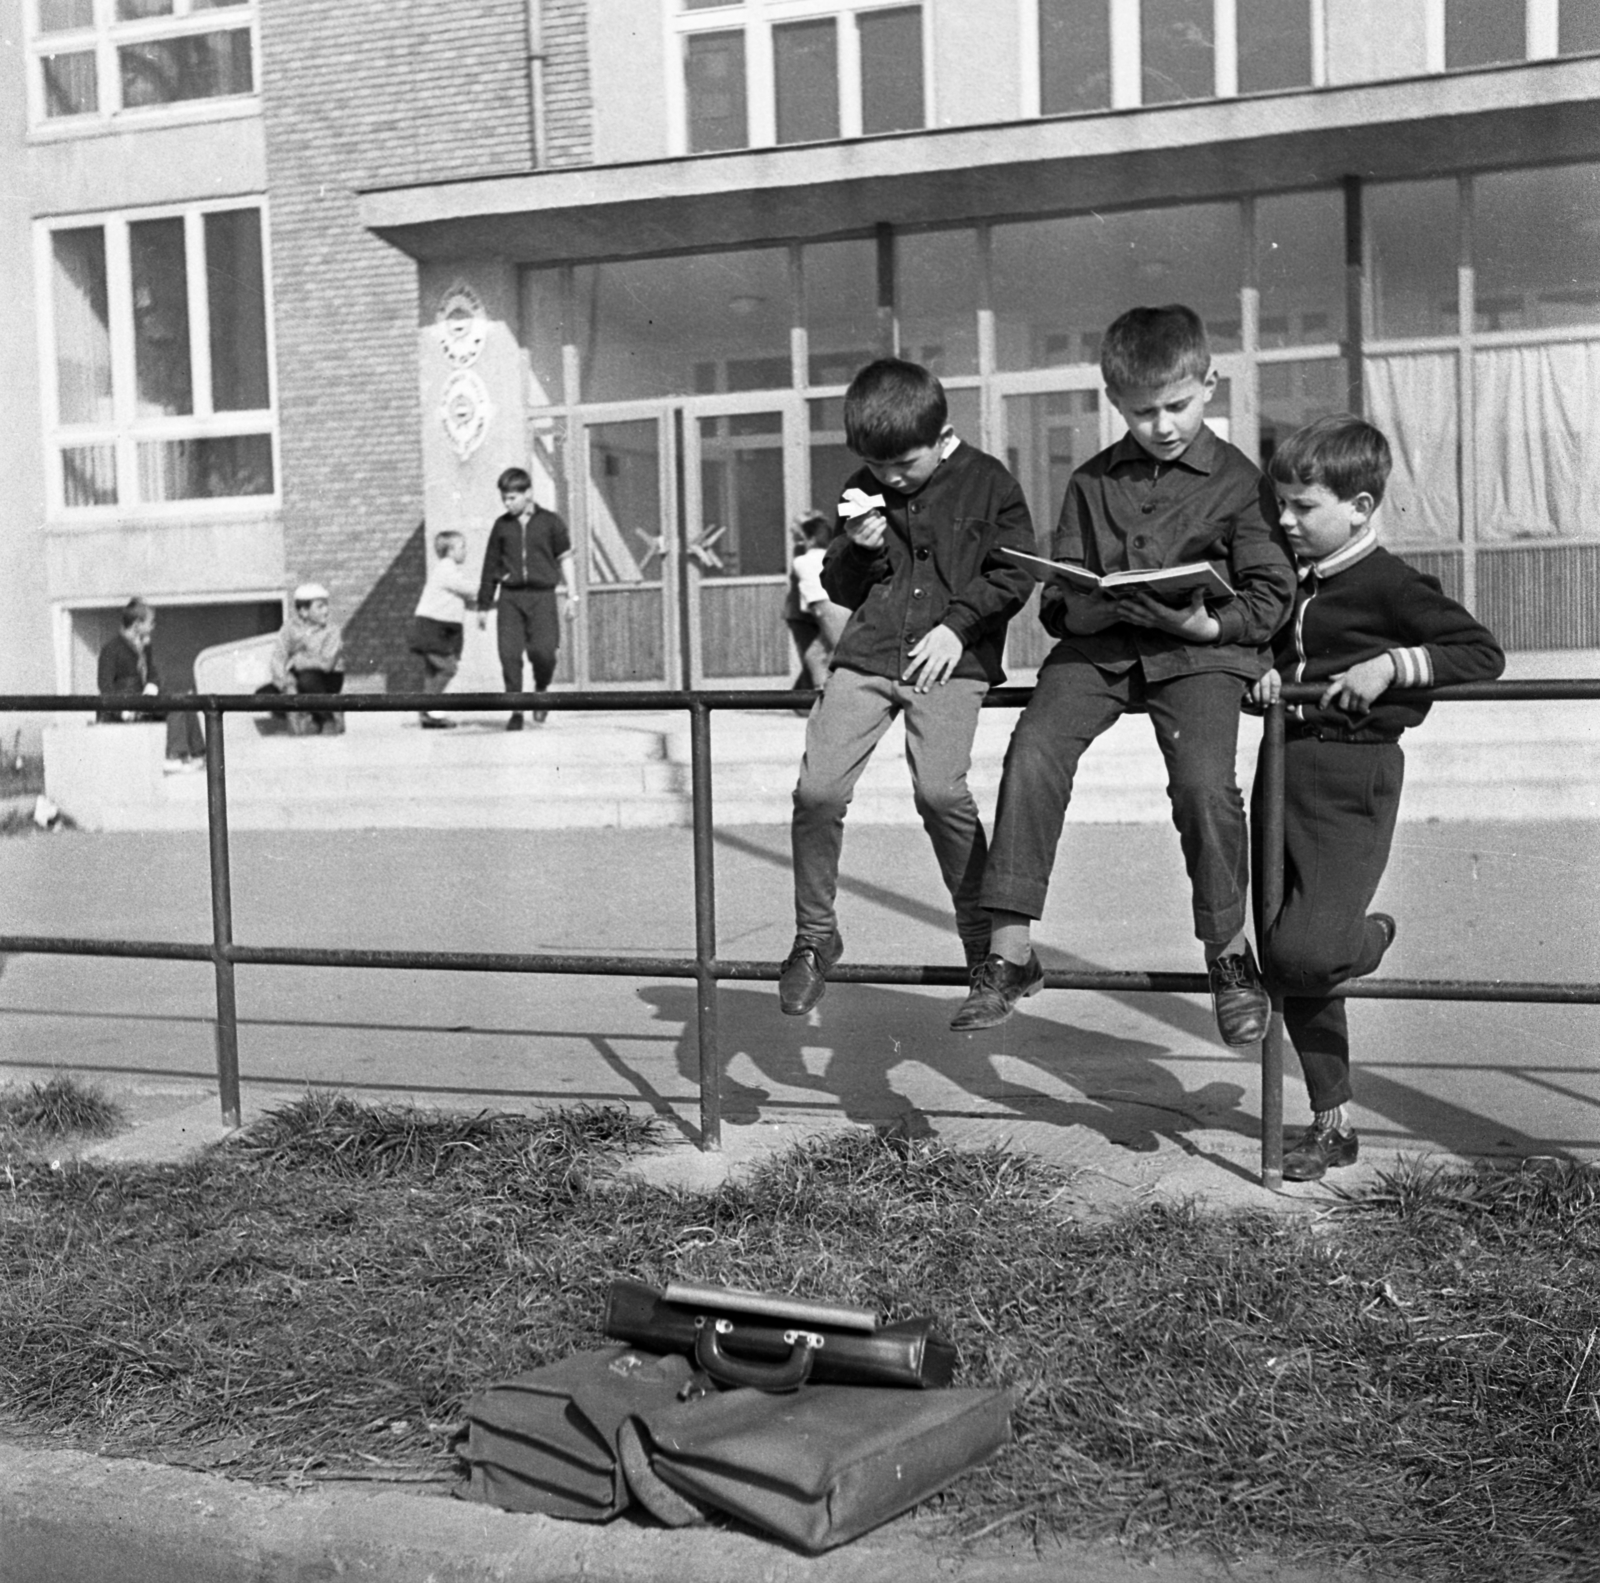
789,1375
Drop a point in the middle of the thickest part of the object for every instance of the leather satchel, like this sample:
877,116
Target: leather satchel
774,1343
547,1441
826,1463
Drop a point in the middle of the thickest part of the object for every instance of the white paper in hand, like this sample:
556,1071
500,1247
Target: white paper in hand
857,503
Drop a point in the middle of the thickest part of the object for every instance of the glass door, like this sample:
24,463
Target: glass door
743,461
627,550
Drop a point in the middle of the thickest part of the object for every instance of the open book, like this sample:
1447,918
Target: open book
1171,584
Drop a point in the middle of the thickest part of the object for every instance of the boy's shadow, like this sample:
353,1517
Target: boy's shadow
864,1032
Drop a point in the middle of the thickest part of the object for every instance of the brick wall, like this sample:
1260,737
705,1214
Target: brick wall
368,93
568,119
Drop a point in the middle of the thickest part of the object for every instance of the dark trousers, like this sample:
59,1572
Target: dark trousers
1196,720
1340,800
527,622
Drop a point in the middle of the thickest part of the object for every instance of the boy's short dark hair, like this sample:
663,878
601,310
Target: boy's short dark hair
1148,347
514,478
1345,454
815,529
133,613
442,541
892,407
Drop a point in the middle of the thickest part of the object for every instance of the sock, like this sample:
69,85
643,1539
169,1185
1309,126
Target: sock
1335,1118
1011,937
1233,947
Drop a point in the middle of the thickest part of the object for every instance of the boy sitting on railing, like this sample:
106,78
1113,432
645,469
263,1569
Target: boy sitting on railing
1364,622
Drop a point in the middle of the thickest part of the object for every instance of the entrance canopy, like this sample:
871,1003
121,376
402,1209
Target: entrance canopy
1517,115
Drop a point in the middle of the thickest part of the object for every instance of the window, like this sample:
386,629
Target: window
103,57
1579,27
159,359
766,72
1074,56
1483,33
1177,50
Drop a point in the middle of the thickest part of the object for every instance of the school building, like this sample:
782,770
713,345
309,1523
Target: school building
289,279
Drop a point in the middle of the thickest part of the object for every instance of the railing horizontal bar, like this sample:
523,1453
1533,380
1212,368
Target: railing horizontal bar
67,945
744,970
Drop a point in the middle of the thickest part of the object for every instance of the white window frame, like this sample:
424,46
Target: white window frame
127,430
106,36
756,20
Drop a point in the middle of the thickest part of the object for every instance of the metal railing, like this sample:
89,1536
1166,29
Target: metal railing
705,967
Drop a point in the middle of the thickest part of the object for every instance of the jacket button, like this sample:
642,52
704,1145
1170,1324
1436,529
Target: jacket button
1148,507
918,593
1140,541
922,555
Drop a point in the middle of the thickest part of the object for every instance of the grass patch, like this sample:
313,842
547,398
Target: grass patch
1412,1384
37,1115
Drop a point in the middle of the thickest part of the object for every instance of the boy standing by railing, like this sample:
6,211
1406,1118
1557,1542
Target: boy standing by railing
924,518
1364,622
1169,492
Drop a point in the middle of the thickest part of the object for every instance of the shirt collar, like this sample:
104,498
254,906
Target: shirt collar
1361,546
1200,456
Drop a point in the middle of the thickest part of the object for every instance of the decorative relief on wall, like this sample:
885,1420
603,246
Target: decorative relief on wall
466,411
463,325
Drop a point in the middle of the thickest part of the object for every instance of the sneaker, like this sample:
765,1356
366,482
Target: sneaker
437,723
1238,999
803,979
1318,1149
997,986
514,723
182,766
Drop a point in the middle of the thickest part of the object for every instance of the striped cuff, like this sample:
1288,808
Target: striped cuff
1412,667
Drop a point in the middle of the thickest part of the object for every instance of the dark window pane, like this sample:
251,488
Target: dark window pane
1483,33
1300,267
171,70
936,299
82,326
71,86
160,317
1535,248
805,69
1580,26
137,10
89,475
714,77
1274,45
1074,55
707,5
214,5
57,16
1177,50
891,70
841,308
238,311
1411,230
205,469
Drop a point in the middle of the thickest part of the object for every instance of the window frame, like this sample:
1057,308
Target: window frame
106,36
126,430
756,19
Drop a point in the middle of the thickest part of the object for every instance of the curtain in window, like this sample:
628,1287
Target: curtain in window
1412,398
1537,446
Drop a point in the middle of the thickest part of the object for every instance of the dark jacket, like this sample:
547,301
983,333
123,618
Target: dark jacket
123,673
523,553
937,566
1124,510
1377,604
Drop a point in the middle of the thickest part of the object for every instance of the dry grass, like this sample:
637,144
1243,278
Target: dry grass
1412,1383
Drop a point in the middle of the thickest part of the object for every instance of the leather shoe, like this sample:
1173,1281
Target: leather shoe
997,986
803,979
514,723
1238,998
1317,1149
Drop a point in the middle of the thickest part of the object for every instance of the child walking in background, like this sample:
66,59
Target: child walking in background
1365,625
917,563
1168,493
529,553
437,628
815,622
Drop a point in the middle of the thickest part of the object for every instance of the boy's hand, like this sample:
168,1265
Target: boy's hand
1357,689
932,658
1266,690
866,532
1087,613
1191,622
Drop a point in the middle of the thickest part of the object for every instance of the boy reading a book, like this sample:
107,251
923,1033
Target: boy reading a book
917,562
1169,492
1364,623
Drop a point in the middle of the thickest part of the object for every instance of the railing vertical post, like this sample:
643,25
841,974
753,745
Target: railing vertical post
222,919
705,928
1270,880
